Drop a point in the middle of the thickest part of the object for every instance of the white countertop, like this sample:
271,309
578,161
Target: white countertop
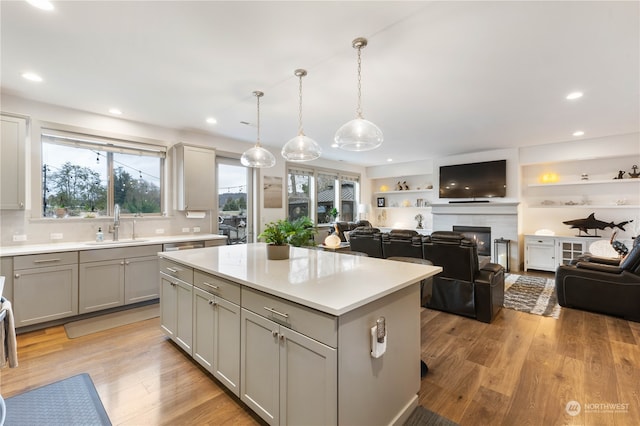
92,245
330,282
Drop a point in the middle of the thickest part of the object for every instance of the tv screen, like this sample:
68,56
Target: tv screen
475,180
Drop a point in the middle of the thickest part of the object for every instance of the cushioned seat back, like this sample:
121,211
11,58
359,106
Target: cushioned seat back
366,240
402,243
457,255
631,262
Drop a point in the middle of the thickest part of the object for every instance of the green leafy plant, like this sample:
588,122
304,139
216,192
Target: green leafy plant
297,233
333,212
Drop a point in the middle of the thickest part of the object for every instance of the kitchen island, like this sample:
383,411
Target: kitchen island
293,338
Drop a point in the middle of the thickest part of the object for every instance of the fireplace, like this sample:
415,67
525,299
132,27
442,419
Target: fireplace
480,234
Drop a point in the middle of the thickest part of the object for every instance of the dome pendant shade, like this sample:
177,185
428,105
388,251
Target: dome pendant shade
301,148
257,157
359,135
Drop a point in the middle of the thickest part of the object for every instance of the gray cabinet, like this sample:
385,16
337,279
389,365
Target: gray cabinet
287,377
118,276
195,177
45,287
176,303
13,163
6,271
216,328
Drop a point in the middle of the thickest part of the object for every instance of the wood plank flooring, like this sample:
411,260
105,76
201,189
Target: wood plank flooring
520,370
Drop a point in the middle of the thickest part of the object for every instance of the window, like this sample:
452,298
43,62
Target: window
322,193
85,175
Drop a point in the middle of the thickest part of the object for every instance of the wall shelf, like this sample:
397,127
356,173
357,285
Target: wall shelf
404,208
584,182
585,206
405,191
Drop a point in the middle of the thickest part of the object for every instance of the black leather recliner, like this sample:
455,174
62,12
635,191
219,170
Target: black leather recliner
402,243
602,286
463,287
366,240
339,228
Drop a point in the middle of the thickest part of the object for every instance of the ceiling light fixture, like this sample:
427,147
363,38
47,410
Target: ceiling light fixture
41,4
578,133
212,120
359,134
31,76
302,147
115,111
574,95
257,156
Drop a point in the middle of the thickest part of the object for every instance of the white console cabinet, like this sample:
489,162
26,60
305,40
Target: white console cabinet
546,253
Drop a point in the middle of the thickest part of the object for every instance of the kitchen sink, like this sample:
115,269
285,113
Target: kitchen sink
111,242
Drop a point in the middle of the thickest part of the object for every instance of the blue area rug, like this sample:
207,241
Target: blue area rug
72,401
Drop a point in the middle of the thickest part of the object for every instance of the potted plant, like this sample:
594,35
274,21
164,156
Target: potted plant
283,233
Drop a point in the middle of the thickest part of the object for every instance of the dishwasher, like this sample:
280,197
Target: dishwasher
186,245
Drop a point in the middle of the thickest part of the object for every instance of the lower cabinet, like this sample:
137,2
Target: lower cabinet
176,303
216,337
287,378
546,253
45,287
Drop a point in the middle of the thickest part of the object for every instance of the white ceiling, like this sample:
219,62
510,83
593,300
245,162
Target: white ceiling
439,78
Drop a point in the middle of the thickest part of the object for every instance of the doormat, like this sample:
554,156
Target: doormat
424,417
116,319
72,401
534,295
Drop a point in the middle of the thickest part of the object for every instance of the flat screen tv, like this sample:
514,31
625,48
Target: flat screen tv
475,180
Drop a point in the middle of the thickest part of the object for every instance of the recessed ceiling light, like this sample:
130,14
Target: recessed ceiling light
574,95
578,133
389,159
334,145
115,111
41,4
32,77
211,120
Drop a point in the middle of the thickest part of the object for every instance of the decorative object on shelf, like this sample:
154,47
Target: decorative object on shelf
419,202
406,203
301,148
621,202
359,134
584,176
257,156
398,186
419,218
635,174
502,252
381,201
620,174
405,186
548,203
384,188
382,218
429,186
548,178
583,225
570,203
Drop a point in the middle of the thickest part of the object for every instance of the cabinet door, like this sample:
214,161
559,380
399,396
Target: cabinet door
45,294
203,328
226,359
168,306
195,177
308,381
570,250
259,366
184,316
141,279
101,285
13,166
540,254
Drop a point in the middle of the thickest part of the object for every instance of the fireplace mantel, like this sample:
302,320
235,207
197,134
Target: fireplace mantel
475,208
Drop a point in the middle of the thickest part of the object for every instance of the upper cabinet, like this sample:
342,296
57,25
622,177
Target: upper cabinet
13,161
195,177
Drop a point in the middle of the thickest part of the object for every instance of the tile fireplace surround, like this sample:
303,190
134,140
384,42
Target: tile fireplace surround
502,218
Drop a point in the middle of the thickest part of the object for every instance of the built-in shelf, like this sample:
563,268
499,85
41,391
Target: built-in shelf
405,191
585,182
585,206
404,207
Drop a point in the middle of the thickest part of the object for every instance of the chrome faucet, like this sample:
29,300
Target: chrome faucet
116,221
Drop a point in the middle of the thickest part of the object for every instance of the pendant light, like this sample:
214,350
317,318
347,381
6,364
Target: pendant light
258,156
359,134
301,148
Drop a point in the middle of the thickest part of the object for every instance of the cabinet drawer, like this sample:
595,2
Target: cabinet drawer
218,286
540,241
43,260
176,270
98,255
317,325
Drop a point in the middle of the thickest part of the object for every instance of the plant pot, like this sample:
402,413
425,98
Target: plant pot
61,212
275,252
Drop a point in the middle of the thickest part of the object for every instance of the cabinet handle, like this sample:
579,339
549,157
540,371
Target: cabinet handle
274,333
173,270
47,260
173,283
21,204
215,287
122,263
127,262
16,276
212,302
281,337
273,311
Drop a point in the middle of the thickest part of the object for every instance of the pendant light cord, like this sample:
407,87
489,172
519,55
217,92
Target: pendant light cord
258,120
300,131
359,108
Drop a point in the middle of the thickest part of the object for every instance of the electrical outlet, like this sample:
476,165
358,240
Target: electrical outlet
55,235
20,237
185,229
160,231
196,229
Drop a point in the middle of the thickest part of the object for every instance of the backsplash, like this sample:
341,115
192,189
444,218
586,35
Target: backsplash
16,223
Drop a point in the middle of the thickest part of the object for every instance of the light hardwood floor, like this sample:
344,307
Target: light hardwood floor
520,370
